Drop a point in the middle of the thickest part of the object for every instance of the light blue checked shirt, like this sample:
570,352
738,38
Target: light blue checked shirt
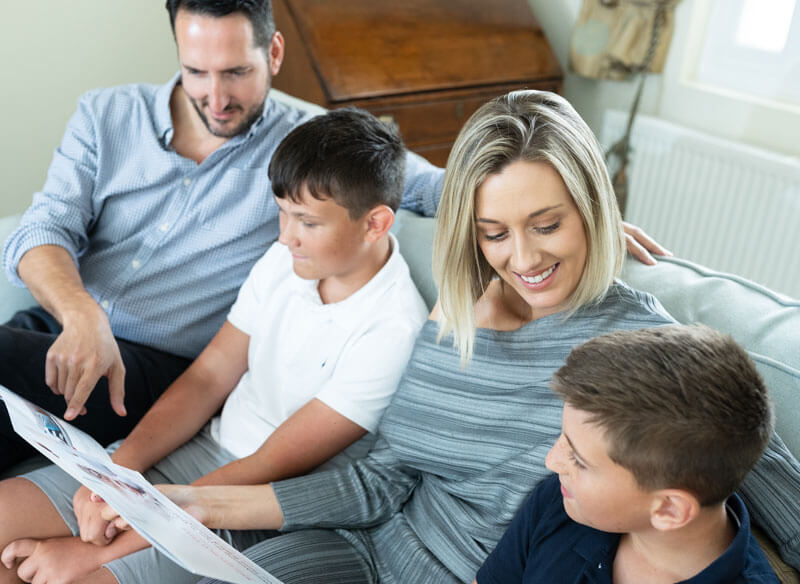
163,243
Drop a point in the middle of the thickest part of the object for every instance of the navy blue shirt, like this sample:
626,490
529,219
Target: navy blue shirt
543,544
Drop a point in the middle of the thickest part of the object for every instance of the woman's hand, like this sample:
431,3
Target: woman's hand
641,246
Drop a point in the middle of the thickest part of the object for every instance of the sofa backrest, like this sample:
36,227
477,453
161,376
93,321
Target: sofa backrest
763,322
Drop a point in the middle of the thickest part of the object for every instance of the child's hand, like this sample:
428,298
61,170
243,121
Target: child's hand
51,561
116,523
93,528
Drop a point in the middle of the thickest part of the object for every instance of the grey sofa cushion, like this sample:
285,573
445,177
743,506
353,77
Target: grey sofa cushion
765,323
415,234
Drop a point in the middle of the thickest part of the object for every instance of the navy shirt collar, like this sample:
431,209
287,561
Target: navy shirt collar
598,550
731,563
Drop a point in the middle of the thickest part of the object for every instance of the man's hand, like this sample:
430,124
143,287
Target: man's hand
94,528
51,561
640,245
85,351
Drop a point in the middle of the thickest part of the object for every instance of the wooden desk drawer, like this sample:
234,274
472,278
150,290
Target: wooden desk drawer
430,122
429,126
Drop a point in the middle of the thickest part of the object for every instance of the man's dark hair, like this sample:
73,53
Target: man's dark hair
681,406
347,155
258,12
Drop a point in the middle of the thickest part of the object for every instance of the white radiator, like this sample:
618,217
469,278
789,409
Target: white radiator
728,206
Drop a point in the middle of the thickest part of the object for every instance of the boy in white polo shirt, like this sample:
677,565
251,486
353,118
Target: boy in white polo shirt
308,359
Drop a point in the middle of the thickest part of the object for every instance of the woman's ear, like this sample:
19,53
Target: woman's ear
379,220
673,509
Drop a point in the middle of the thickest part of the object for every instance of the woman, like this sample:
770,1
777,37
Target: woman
528,243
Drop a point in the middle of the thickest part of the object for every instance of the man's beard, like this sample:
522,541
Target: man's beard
243,126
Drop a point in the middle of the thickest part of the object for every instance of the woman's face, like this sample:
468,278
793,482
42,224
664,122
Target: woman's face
531,233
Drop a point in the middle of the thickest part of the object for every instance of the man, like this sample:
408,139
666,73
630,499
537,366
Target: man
155,207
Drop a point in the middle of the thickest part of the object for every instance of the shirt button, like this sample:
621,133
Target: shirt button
164,227
136,264
105,304
187,181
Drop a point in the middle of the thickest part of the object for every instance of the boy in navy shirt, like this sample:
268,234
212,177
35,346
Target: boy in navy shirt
659,428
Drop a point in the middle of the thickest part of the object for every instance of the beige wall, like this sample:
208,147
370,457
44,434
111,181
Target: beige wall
52,51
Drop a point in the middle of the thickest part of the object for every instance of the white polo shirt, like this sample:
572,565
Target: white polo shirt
349,355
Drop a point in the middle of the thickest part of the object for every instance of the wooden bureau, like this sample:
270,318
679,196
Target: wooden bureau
426,64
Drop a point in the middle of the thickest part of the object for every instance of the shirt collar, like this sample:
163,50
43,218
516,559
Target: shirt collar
730,564
599,549
163,114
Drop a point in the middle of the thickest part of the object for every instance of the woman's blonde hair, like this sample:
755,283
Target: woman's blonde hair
533,126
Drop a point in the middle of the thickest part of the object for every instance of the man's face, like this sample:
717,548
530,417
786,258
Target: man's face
225,76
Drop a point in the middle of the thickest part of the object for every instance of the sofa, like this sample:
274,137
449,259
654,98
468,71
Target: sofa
765,323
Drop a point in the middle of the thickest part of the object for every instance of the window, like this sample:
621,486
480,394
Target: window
753,47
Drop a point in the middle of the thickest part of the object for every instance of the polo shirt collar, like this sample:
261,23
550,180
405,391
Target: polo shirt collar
163,115
731,563
351,308
598,549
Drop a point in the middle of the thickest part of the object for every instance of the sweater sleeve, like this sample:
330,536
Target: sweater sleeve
367,492
771,491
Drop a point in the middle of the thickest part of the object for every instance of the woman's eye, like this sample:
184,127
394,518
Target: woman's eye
549,228
494,236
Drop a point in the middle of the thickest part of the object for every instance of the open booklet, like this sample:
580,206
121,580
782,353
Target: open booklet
155,517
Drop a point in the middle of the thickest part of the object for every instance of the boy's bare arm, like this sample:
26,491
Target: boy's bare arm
187,404
240,497
312,435
178,415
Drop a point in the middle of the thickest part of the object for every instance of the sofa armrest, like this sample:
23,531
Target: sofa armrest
12,298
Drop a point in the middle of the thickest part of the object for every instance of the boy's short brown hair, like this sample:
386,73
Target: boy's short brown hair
681,406
347,155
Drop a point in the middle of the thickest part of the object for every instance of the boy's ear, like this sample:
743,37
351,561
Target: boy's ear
673,509
379,219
